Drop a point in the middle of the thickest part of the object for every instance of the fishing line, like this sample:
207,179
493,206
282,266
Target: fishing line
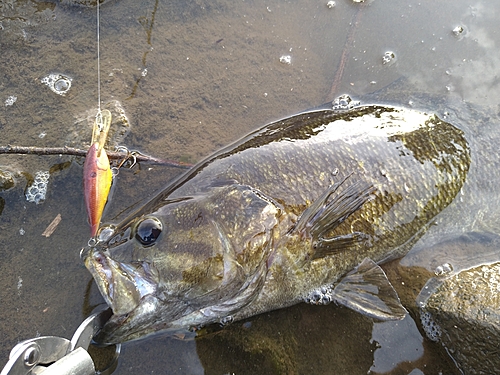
99,119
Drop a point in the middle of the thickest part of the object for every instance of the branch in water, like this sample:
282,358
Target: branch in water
78,152
348,45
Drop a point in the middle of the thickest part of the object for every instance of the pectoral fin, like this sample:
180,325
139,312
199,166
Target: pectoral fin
368,291
331,209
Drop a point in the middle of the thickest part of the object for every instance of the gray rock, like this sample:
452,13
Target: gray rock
463,313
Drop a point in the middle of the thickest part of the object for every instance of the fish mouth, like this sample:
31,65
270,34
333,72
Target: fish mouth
122,286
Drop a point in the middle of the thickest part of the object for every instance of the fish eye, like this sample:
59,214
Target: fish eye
148,231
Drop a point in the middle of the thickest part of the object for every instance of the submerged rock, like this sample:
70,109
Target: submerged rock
284,342
79,134
463,313
458,302
18,15
7,180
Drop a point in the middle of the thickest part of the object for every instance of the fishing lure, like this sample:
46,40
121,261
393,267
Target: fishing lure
97,174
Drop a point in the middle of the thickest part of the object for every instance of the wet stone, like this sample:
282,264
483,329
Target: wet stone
6,180
463,313
289,341
432,330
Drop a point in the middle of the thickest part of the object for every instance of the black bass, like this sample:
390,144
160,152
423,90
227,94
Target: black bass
301,210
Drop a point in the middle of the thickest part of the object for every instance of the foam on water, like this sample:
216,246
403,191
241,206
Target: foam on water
36,192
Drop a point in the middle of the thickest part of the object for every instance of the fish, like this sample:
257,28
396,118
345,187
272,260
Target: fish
304,209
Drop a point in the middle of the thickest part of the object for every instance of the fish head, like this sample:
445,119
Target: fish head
186,263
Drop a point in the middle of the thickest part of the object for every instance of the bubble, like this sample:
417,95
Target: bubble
226,320
321,296
105,232
62,85
331,4
36,192
344,102
443,269
286,59
10,100
58,83
389,58
460,32
431,328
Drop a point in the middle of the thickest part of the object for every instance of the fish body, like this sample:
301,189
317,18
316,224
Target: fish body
300,210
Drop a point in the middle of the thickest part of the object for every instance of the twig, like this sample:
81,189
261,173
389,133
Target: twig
82,153
52,226
345,54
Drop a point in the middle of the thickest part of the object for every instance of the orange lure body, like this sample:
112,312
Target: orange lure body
97,177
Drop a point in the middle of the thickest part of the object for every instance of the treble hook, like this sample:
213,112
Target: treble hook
130,155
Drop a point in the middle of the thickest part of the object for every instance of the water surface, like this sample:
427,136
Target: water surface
192,77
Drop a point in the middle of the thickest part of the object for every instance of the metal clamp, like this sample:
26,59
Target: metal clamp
51,355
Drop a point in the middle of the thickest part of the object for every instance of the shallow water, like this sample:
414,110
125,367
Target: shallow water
192,77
